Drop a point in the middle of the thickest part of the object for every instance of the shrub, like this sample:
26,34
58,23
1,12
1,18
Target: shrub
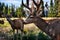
42,36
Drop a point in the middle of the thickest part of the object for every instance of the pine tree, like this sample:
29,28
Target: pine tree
0,6
9,10
52,12
51,6
1,9
6,9
19,11
13,10
57,7
58,3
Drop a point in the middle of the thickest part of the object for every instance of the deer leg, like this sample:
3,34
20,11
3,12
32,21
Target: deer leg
21,35
17,31
17,34
13,33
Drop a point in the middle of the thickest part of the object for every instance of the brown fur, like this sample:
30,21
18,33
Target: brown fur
52,28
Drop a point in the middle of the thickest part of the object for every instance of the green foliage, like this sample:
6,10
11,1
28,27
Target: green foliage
42,36
31,36
1,6
56,7
25,37
19,12
52,12
51,15
51,7
11,10
6,9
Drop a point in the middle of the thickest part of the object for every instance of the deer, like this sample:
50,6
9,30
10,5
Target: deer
16,24
51,28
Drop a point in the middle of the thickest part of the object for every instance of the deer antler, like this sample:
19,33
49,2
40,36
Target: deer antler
37,5
31,10
25,6
38,8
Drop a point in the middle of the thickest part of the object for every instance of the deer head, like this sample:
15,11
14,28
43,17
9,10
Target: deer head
35,14
39,22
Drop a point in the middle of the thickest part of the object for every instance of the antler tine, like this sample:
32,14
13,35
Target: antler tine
27,8
25,5
37,5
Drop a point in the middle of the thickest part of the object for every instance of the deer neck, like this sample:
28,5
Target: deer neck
10,21
40,23
43,25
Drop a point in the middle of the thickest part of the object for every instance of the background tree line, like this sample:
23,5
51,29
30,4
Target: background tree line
53,12
11,10
19,12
